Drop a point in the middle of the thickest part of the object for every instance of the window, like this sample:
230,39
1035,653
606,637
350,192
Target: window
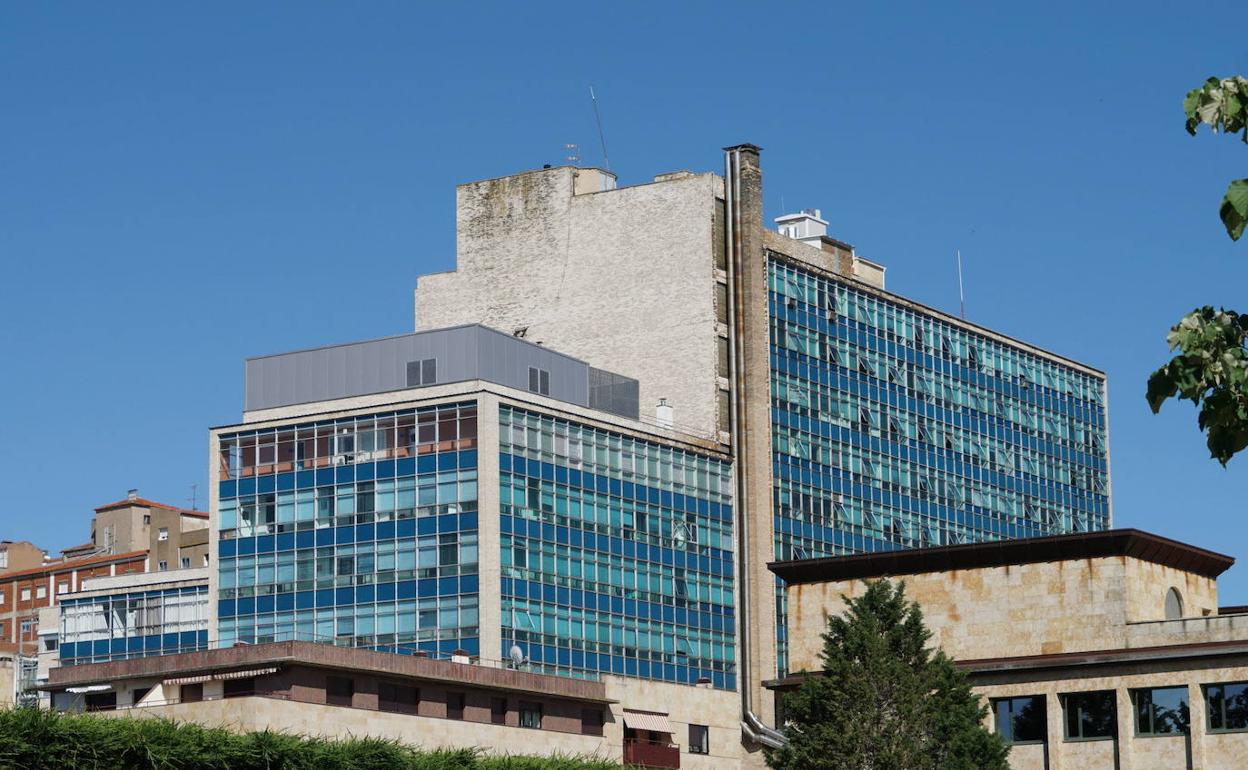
1174,604
62,588
162,565
138,694
1090,715
49,643
339,690
531,715
699,739
28,629
591,721
101,701
422,372
1021,720
398,698
41,592
4,559
1227,705
1161,711
205,560
237,688
498,711
191,693
454,705
26,594
147,519
186,562
163,535
539,381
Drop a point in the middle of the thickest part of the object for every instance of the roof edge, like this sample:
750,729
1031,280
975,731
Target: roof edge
1001,553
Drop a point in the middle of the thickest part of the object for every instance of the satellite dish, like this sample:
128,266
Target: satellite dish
517,656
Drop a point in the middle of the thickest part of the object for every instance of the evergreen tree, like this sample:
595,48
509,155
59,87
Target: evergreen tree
885,701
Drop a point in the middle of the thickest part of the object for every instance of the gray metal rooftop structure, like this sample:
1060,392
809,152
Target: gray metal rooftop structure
437,357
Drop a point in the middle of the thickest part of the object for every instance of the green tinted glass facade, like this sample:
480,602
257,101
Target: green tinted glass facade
617,553
359,531
894,428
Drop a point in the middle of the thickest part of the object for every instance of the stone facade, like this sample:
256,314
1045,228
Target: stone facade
1028,609
622,278
1207,750
1080,614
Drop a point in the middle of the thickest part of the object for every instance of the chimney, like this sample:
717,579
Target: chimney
132,495
663,414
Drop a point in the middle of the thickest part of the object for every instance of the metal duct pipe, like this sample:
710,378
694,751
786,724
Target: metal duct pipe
751,725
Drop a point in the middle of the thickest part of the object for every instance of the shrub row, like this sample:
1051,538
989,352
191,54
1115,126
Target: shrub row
34,739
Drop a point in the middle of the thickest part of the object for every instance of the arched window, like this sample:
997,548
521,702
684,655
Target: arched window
1174,604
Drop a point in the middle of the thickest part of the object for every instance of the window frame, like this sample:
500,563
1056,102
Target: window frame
1066,705
994,703
1135,709
702,746
525,709
1206,688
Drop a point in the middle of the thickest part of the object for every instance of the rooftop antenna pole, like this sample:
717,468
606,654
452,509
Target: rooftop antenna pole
961,294
194,495
606,160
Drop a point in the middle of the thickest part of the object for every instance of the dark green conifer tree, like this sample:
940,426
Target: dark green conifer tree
885,701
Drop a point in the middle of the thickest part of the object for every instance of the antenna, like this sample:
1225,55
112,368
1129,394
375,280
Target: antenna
961,294
194,495
606,160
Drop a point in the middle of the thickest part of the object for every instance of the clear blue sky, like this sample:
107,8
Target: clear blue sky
181,187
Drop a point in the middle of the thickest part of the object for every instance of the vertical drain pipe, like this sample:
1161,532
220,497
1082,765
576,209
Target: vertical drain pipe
751,725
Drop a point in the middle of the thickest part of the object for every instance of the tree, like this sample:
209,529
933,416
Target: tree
1211,368
885,701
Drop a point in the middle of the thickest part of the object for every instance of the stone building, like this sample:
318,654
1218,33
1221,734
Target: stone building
1105,649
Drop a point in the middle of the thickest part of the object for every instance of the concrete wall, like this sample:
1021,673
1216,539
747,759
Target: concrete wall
621,278
261,713
685,705
21,555
296,703
1029,609
8,680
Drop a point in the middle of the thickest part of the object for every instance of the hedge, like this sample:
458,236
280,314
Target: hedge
35,739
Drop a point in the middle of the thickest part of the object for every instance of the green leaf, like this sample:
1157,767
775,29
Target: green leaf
1234,209
1210,370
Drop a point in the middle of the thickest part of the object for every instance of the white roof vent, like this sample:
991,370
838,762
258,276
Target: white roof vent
806,225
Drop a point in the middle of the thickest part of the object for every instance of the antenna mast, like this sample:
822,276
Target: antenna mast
961,294
606,160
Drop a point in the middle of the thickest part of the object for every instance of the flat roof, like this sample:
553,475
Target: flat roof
948,318
1003,553
386,664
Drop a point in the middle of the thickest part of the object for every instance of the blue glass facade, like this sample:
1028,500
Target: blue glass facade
617,553
133,624
893,428
358,531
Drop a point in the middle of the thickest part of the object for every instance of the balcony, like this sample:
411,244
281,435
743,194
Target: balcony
652,754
